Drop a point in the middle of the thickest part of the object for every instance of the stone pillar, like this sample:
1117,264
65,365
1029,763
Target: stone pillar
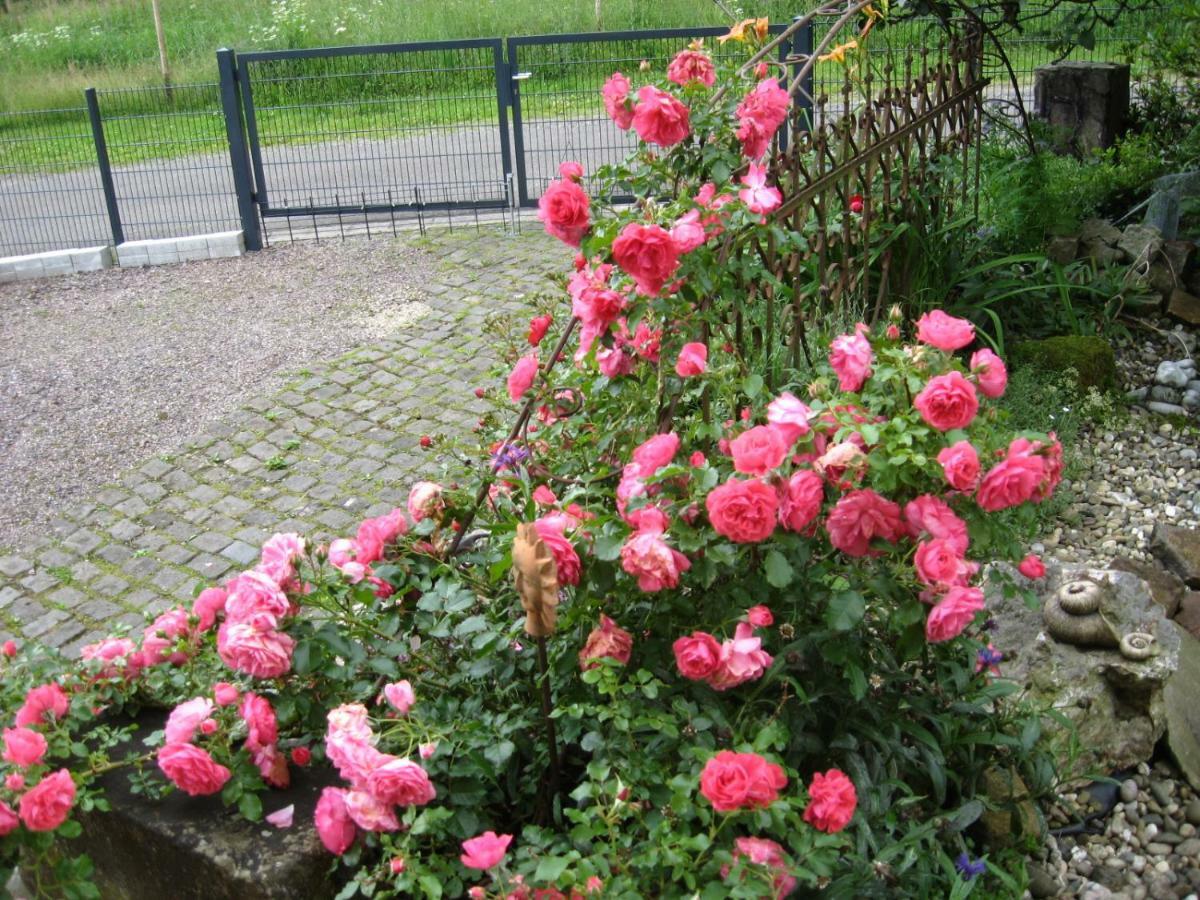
1085,103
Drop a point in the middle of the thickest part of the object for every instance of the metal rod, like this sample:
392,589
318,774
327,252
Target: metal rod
106,179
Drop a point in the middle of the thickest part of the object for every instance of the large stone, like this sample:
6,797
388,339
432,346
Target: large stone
1184,305
1115,703
1165,587
1092,358
1187,616
1099,230
1085,103
1140,243
1062,249
1183,712
1179,550
1014,816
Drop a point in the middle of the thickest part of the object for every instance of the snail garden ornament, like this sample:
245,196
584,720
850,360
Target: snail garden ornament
1074,615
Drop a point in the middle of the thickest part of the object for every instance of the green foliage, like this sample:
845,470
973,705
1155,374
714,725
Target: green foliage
1090,359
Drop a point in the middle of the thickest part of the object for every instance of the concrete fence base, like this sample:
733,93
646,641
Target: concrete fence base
220,245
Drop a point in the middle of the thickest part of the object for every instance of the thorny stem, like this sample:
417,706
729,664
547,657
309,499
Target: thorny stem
547,711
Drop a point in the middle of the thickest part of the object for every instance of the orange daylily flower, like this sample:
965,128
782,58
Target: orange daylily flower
738,31
838,54
697,44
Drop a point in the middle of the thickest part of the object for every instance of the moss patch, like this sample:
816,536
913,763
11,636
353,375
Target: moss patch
1091,357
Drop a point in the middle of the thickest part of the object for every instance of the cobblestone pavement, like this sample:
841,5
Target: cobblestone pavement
348,430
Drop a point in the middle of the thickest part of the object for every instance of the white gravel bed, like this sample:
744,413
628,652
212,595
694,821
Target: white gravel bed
100,371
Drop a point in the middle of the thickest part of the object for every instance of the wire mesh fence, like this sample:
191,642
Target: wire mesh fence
49,200
170,160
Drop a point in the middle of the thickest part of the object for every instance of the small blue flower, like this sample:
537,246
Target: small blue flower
990,656
508,456
969,870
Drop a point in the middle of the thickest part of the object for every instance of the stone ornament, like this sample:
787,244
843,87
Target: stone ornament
1073,615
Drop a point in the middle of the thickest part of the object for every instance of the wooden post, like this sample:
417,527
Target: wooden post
599,24
163,65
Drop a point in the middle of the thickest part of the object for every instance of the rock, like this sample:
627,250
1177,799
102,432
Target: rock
1165,587
1062,250
1171,374
1041,882
1190,847
1140,243
1115,703
1137,394
1177,254
1015,815
1091,357
1129,790
1190,399
1162,278
1179,550
1165,394
1187,616
1193,811
1099,230
1183,712
1184,305
1166,409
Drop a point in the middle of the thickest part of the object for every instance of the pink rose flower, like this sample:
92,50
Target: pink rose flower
425,501
656,565
659,118
571,170
426,751
800,501
252,594
831,801
760,616
350,719
947,402
42,705
263,653
693,360
272,765
938,563
208,606
743,511
688,232
333,823
608,640
400,696
759,116
8,819
759,450
186,718
614,363
732,781
960,465
225,693
851,357
262,730
944,331
401,782
521,378
538,326
931,516
690,66
698,656
954,613
647,254
616,100
279,555
1011,482
790,416
485,851
117,654
989,369
354,759
14,781
47,804
191,769
860,517
564,210
758,197
656,452
23,746
566,560
742,659
764,852
1032,567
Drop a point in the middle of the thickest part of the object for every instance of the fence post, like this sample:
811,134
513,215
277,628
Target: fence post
106,180
243,183
802,43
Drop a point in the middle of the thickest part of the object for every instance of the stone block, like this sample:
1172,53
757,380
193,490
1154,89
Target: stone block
1185,306
1188,614
1062,250
1183,712
1179,550
1085,103
1165,587
91,259
1140,243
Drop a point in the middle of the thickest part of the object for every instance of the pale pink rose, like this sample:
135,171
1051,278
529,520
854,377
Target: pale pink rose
743,511
956,611
608,640
648,558
47,804
350,719
522,376
758,450
425,501
225,693
401,782
659,118
279,556
426,751
263,653
760,616
759,116
938,563
252,594
834,462
208,606
1032,566
616,100
354,759
191,769
485,851
947,402
861,517
767,853
43,704
960,465
400,696
648,254
991,372
564,209
742,659
758,197
690,66
23,746
944,331
693,360
566,559
282,818
262,730
118,655
688,232
186,718
333,823
8,819
656,452
800,501
341,552
851,357
931,516
790,416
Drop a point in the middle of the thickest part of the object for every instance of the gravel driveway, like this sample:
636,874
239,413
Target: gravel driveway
102,370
